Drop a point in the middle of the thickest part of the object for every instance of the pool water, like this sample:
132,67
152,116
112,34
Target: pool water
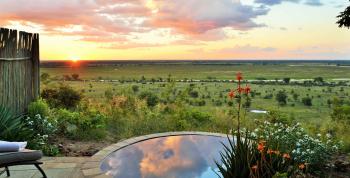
183,156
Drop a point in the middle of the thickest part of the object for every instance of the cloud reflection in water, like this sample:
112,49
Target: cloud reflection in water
186,156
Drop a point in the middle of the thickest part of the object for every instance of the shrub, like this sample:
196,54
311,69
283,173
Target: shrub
135,88
193,94
194,117
42,131
281,98
307,101
151,98
38,107
41,125
109,94
75,77
294,140
341,113
81,125
64,96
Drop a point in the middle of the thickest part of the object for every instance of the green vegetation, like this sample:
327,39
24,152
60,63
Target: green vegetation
11,126
344,18
272,149
141,99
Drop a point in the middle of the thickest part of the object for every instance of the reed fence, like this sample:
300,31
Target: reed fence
19,69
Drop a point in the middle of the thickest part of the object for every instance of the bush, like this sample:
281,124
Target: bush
294,140
38,107
193,94
307,101
64,96
42,132
81,125
151,99
135,88
281,98
195,118
41,125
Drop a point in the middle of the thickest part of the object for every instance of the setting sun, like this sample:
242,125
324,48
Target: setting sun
74,59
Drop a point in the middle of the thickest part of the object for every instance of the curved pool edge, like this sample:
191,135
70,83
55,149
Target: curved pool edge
91,168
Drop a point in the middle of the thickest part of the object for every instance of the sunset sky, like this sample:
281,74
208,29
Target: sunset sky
181,29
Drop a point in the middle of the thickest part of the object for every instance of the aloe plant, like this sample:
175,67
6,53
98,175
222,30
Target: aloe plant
11,126
236,161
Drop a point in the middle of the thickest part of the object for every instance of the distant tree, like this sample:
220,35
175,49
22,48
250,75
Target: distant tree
286,80
307,101
344,18
143,79
75,77
67,77
281,98
295,96
193,94
135,88
329,103
318,80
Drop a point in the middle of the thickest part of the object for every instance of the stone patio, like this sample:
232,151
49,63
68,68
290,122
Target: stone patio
85,167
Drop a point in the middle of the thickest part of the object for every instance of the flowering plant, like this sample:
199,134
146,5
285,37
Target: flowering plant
306,151
249,155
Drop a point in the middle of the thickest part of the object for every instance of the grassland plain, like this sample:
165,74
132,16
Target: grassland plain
192,71
94,84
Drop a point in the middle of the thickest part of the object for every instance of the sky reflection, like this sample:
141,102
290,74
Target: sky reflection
186,156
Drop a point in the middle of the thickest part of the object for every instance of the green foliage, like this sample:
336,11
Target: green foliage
89,124
151,98
109,94
236,161
286,80
135,88
194,118
193,94
341,113
11,126
281,97
344,18
64,96
45,78
40,125
294,140
75,77
307,101
38,107
318,80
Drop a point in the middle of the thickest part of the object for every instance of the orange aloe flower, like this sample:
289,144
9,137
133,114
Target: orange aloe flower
247,89
302,166
231,94
239,76
286,156
261,146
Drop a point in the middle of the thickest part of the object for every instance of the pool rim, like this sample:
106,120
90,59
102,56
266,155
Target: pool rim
92,167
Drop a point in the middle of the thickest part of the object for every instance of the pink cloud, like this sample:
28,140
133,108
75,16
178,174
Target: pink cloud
115,20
